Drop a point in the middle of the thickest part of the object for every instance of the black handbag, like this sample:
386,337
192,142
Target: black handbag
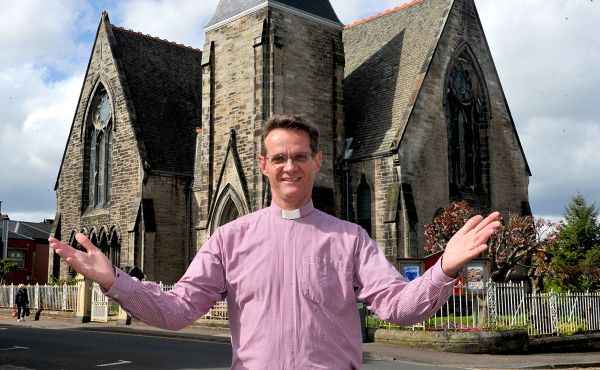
26,310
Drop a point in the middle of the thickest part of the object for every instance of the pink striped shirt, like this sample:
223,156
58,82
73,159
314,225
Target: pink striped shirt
291,280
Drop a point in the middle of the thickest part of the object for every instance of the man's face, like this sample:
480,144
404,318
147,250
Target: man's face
292,181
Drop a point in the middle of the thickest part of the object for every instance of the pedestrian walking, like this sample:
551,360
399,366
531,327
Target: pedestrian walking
22,302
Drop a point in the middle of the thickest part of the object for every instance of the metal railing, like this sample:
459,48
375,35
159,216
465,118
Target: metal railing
43,297
509,306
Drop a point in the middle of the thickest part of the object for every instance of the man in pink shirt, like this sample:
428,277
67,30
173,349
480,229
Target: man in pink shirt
291,273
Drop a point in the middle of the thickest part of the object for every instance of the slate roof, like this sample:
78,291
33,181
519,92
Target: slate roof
228,9
164,80
24,230
389,51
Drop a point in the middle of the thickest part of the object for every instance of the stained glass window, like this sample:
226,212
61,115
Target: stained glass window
99,151
466,117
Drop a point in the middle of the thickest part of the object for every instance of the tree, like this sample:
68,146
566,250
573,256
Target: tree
581,231
591,269
445,225
518,243
523,242
576,255
6,266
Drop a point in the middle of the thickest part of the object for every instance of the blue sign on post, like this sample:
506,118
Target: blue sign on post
410,272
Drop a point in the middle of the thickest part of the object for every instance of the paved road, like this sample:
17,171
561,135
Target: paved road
55,348
39,348
67,348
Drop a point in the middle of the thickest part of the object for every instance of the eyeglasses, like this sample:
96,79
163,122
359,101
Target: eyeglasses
281,159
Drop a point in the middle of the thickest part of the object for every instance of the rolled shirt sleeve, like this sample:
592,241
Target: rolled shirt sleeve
389,295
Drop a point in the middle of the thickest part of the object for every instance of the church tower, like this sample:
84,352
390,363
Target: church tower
264,57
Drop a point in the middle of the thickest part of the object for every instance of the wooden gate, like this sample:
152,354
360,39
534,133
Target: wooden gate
99,305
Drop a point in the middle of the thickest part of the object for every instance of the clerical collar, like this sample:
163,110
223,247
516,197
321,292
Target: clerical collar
290,215
294,214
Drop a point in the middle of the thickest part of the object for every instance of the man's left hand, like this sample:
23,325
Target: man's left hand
469,242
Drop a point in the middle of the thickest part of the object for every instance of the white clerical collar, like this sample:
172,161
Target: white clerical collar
294,214
290,215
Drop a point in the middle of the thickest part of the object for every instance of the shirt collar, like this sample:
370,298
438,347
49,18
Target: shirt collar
301,212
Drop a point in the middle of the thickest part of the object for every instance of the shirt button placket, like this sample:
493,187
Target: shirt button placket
288,294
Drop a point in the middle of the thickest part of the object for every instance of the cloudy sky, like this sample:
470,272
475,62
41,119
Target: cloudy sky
547,54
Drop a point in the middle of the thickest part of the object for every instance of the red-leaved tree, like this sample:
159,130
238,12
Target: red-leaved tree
522,241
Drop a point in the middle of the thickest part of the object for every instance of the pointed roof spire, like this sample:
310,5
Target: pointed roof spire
229,10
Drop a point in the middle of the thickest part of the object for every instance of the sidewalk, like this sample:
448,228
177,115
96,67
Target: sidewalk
373,351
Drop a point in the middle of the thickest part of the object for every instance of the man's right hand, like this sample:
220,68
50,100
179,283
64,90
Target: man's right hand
94,265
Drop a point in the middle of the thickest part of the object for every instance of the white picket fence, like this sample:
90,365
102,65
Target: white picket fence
508,305
217,312
490,306
44,297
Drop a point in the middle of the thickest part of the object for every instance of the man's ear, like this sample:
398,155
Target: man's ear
262,162
318,159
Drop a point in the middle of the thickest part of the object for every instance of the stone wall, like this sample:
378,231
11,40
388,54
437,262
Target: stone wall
488,342
491,342
168,257
379,175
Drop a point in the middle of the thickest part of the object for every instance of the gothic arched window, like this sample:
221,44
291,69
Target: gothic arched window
98,151
74,244
363,202
115,249
103,245
466,112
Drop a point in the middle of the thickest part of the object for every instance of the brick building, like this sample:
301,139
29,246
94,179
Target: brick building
164,141
27,246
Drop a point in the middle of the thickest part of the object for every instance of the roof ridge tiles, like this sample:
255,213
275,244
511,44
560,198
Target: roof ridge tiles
164,41
384,13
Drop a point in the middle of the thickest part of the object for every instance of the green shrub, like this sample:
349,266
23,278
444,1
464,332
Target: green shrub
57,281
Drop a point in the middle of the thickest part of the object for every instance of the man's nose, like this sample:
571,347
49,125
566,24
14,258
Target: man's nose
290,164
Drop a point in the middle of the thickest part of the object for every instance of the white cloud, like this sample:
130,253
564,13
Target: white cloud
350,11
546,53
43,32
547,62
182,22
33,136
39,111
562,155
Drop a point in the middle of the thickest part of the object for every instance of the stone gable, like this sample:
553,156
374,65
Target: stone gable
152,146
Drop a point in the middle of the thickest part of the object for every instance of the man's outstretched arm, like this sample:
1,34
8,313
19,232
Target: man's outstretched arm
393,298
191,297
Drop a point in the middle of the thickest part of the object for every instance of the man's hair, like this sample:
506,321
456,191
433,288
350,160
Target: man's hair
289,122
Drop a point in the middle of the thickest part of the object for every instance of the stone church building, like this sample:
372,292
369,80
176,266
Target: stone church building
163,145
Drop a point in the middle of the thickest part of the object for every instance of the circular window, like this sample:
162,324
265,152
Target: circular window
103,112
